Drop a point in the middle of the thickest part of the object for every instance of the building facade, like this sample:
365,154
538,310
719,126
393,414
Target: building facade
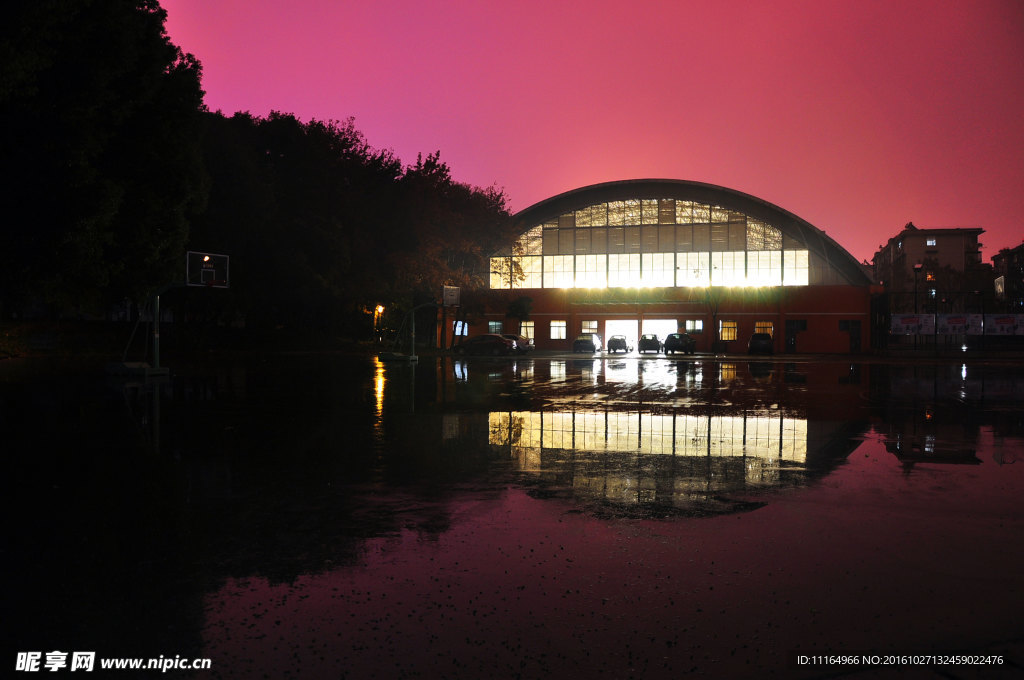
1008,269
661,256
931,270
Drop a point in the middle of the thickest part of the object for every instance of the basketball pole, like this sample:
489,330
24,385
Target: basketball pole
156,323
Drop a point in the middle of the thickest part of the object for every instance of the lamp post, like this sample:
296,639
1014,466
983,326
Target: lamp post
377,312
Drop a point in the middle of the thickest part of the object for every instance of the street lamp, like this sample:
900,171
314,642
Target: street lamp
378,310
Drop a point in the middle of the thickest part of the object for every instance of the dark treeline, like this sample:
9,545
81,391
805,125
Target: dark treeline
114,169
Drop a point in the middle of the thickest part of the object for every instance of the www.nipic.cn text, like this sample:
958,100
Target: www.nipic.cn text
32,662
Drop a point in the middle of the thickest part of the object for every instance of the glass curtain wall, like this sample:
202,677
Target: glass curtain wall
650,243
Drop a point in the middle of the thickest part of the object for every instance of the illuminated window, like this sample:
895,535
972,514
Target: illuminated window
649,209
501,272
531,242
930,276
583,217
588,327
494,326
526,329
728,269
624,270
930,242
701,213
591,271
558,328
761,236
632,211
694,326
795,267
764,268
558,271
764,327
693,269
658,269
616,213
530,269
684,212
728,330
650,243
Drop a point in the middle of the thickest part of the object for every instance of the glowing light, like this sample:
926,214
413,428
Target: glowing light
379,381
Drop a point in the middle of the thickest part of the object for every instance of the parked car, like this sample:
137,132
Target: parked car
488,343
761,343
618,343
680,342
523,343
587,342
648,343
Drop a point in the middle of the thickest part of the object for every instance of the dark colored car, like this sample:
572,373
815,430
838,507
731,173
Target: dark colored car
489,343
587,342
761,343
523,344
680,342
618,343
648,343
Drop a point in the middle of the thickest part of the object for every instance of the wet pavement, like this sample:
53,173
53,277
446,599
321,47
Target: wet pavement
325,515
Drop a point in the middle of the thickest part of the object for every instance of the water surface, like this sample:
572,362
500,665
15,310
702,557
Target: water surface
331,515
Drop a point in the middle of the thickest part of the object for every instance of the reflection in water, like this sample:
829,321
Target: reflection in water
378,385
284,466
659,462
656,437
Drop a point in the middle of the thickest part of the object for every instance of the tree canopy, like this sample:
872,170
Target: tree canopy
99,117
117,168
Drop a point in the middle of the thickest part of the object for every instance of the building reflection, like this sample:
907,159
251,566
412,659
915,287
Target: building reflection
936,413
676,460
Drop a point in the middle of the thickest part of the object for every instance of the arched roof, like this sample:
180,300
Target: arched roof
814,239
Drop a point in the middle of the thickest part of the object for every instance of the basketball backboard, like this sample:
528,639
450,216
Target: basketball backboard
206,269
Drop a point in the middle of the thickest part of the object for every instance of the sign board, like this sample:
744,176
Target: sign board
206,269
913,324
450,296
1000,324
952,324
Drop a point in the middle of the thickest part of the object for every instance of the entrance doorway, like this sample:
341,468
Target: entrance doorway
627,327
660,327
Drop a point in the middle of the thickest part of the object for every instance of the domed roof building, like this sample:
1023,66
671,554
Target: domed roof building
657,256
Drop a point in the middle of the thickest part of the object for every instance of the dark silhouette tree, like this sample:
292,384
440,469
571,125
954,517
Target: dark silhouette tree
98,115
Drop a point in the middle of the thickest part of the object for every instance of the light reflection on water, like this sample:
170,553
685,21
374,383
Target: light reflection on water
281,469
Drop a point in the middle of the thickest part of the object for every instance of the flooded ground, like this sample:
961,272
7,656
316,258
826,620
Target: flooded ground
325,516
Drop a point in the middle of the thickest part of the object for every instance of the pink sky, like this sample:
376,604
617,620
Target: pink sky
856,116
